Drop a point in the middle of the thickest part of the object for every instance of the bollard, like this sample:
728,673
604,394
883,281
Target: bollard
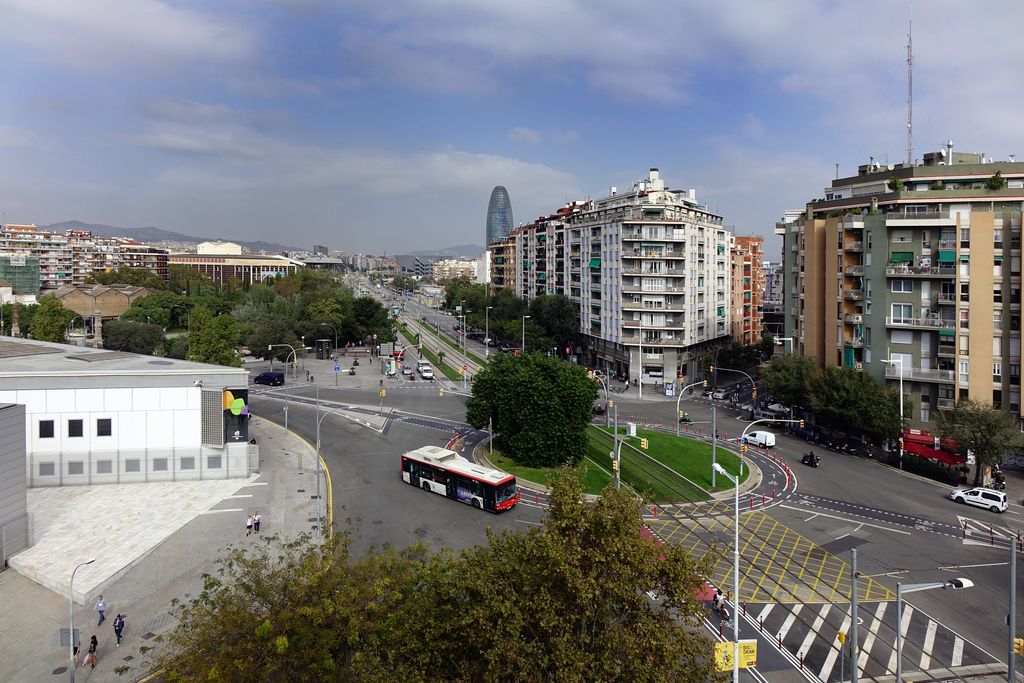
720,635
991,536
750,500
744,604
773,495
655,508
801,661
760,624
965,528
762,499
536,497
780,640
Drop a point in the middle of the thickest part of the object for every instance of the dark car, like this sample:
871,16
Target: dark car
273,379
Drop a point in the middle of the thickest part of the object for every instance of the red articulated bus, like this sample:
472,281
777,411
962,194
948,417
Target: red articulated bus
447,473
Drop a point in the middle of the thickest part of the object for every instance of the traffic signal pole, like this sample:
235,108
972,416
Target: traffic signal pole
1011,621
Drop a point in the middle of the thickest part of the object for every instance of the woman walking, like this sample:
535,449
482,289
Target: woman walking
90,656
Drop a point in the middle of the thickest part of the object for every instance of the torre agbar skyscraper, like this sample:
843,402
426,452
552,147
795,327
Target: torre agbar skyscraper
499,215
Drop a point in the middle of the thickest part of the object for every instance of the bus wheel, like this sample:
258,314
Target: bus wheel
476,504
426,486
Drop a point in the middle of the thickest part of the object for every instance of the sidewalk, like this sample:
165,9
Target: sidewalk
142,586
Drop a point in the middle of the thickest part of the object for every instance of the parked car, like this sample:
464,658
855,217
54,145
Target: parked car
980,497
273,379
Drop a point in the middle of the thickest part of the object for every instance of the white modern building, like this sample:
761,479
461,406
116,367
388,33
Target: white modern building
109,417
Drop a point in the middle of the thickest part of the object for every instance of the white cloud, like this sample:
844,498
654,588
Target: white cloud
14,137
527,135
753,127
185,111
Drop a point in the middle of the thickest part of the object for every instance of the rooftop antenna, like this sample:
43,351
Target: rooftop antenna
910,92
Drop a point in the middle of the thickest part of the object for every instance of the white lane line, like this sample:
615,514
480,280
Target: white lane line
239,495
213,512
788,623
765,612
256,483
833,653
813,632
851,521
865,651
929,642
523,521
958,651
908,611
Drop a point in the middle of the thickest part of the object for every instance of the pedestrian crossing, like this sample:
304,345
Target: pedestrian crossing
976,532
810,632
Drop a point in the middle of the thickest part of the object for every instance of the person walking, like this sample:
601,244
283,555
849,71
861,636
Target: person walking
118,628
90,656
101,607
256,519
248,525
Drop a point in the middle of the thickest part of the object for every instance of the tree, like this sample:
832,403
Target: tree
765,349
789,378
402,283
184,280
539,408
847,398
50,320
213,339
137,277
147,316
986,432
895,185
565,602
559,317
134,337
995,182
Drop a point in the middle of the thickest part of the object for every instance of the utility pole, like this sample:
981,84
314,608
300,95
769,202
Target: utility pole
910,95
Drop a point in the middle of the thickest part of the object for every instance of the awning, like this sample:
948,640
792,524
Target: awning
947,333
964,258
947,256
902,257
595,263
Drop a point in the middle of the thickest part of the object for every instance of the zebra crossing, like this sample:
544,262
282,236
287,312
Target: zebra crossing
810,632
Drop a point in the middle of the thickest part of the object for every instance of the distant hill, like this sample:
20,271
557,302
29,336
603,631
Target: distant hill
460,251
154,235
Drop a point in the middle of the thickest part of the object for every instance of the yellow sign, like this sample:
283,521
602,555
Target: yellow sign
724,653
383,393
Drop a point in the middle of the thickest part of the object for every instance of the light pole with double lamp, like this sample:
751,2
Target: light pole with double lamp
487,331
71,617
524,334
901,590
899,361
736,567
270,347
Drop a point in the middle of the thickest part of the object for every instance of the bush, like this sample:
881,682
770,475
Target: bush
926,467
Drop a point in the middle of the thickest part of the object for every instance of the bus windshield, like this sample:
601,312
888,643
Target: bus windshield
505,491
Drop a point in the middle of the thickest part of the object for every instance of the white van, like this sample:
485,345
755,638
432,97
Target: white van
763,439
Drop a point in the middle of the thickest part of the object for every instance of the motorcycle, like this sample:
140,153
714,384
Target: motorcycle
355,361
351,371
810,459
685,419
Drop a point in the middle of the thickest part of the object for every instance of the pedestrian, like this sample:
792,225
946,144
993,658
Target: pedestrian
307,375
256,520
248,525
311,378
118,628
75,660
90,656
101,607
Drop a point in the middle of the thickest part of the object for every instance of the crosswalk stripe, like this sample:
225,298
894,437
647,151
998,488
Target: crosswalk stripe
908,611
833,653
765,612
929,641
869,641
788,623
813,632
958,651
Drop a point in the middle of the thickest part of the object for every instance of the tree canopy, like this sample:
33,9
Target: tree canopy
566,601
50,320
134,337
844,397
137,277
986,432
213,339
789,378
539,407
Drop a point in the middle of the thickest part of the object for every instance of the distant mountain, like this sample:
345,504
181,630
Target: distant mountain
154,235
460,251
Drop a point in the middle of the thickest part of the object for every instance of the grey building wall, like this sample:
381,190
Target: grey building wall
14,527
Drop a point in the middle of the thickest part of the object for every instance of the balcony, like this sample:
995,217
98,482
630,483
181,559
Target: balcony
854,246
669,272
946,350
854,295
629,287
945,403
946,298
904,270
854,342
920,374
947,244
854,271
854,318
925,323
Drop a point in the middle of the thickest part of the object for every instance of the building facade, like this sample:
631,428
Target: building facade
914,270
446,269
773,298
747,289
14,523
245,268
649,268
499,222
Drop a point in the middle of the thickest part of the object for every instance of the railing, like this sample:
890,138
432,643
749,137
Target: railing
936,323
890,215
945,403
905,270
893,372
857,342
854,246
854,294
946,350
854,318
671,272
947,298
854,270
947,244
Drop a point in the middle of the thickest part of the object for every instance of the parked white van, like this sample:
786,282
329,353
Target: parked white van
763,439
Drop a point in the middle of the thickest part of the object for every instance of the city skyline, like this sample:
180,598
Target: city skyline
302,118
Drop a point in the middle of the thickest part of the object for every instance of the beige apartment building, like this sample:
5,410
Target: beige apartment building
745,316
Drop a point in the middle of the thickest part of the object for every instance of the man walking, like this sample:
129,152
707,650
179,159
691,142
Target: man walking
256,519
118,628
101,607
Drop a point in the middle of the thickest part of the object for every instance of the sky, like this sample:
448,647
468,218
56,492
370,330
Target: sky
371,126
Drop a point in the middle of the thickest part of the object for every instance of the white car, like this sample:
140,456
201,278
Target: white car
762,439
719,394
980,497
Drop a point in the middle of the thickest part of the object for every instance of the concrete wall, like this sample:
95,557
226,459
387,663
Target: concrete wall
14,527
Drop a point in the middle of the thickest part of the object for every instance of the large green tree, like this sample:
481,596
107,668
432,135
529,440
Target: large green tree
539,408
559,316
134,337
989,434
566,601
789,379
50,320
844,398
213,339
137,277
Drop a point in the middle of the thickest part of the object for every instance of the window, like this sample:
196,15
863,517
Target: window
925,414
104,467
76,467
47,469
188,463
997,371
46,429
213,462
965,366
159,464
902,313
76,428
905,286
902,337
104,427
133,465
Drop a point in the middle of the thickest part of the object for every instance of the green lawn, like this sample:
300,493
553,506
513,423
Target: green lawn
595,478
454,344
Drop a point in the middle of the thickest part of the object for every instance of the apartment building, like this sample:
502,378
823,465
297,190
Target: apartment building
747,289
914,270
69,258
650,269
503,262
771,318
446,269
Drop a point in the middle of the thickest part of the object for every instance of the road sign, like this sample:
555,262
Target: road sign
465,369
724,653
337,367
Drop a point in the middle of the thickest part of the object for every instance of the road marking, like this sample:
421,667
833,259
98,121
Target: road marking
256,483
929,641
523,521
812,633
833,653
239,495
765,612
844,519
788,623
958,651
865,651
211,512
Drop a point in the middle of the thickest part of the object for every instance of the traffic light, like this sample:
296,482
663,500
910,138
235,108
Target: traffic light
743,448
611,404
383,393
753,393
643,442
801,424
682,414
705,384
1018,646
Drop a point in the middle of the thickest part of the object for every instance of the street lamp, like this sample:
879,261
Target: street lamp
71,617
67,331
319,474
335,330
736,568
524,333
893,361
487,331
779,340
901,590
640,357
753,384
269,348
